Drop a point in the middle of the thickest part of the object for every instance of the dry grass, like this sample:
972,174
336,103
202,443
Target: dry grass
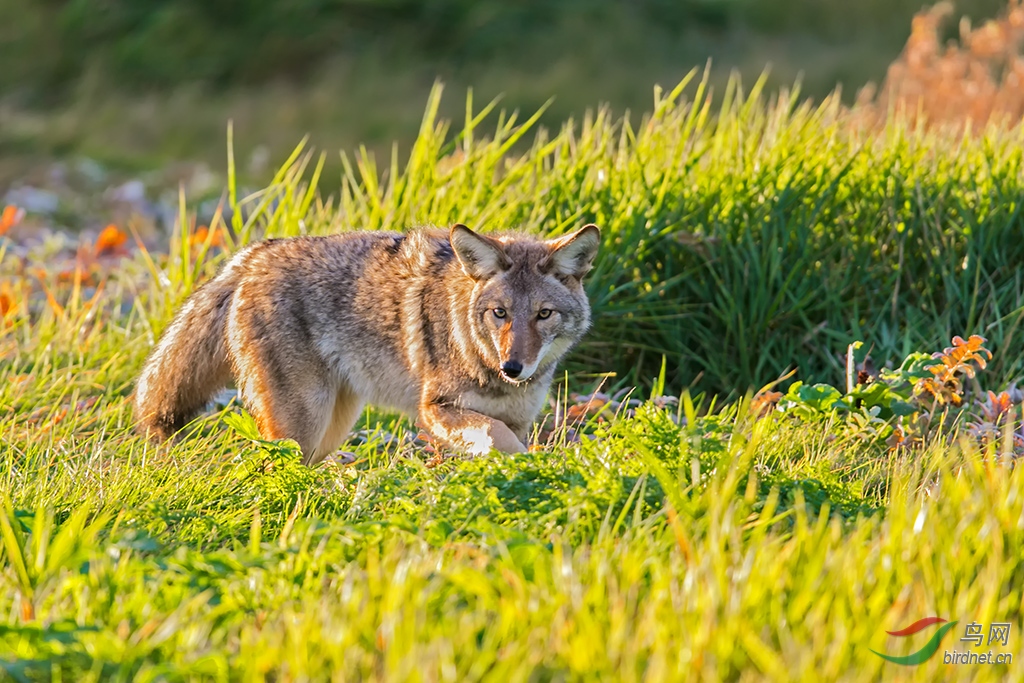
972,82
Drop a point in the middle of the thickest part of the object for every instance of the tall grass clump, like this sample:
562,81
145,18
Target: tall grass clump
743,235
970,81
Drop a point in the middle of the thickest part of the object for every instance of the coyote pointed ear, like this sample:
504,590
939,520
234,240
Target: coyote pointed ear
573,255
481,257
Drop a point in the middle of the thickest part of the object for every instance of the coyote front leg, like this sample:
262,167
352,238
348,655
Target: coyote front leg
467,430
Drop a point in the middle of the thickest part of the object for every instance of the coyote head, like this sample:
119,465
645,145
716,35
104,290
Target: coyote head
527,306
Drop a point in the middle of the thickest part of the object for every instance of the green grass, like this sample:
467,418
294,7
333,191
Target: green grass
729,550
740,240
679,544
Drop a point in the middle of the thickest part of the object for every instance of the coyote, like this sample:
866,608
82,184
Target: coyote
460,330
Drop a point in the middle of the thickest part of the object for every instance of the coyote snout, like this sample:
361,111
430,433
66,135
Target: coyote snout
461,330
521,338
511,369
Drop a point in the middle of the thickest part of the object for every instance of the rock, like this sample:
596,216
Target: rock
224,397
91,170
33,200
341,458
259,160
132,192
202,182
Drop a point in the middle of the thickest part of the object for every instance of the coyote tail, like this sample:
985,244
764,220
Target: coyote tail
190,362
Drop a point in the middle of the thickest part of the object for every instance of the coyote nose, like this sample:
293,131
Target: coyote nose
511,368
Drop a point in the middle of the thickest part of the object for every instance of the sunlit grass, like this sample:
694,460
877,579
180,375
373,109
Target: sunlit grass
679,544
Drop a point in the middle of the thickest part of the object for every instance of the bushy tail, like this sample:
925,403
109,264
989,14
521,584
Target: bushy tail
189,364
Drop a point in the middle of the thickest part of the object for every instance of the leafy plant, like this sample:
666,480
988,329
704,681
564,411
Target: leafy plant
907,406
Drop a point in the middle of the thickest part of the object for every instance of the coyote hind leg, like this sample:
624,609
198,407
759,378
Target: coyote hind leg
286,387
288,400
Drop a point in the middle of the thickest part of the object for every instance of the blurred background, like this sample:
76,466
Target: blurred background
132,98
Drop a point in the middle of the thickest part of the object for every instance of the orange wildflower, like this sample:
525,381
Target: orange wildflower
7,299
765,402
203,233
10,217
111,241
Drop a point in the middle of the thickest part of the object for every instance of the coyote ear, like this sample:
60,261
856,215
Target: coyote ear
573,254
481,257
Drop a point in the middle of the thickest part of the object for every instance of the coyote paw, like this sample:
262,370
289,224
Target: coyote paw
481,439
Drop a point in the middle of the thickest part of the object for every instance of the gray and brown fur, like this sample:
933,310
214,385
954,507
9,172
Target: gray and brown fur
311,329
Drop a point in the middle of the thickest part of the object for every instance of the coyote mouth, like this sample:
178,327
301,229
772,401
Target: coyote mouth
513,371
515,380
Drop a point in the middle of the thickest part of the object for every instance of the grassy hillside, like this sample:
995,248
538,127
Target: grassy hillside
777,538
136,85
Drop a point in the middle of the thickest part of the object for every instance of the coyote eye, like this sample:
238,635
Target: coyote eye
544,313
499,313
